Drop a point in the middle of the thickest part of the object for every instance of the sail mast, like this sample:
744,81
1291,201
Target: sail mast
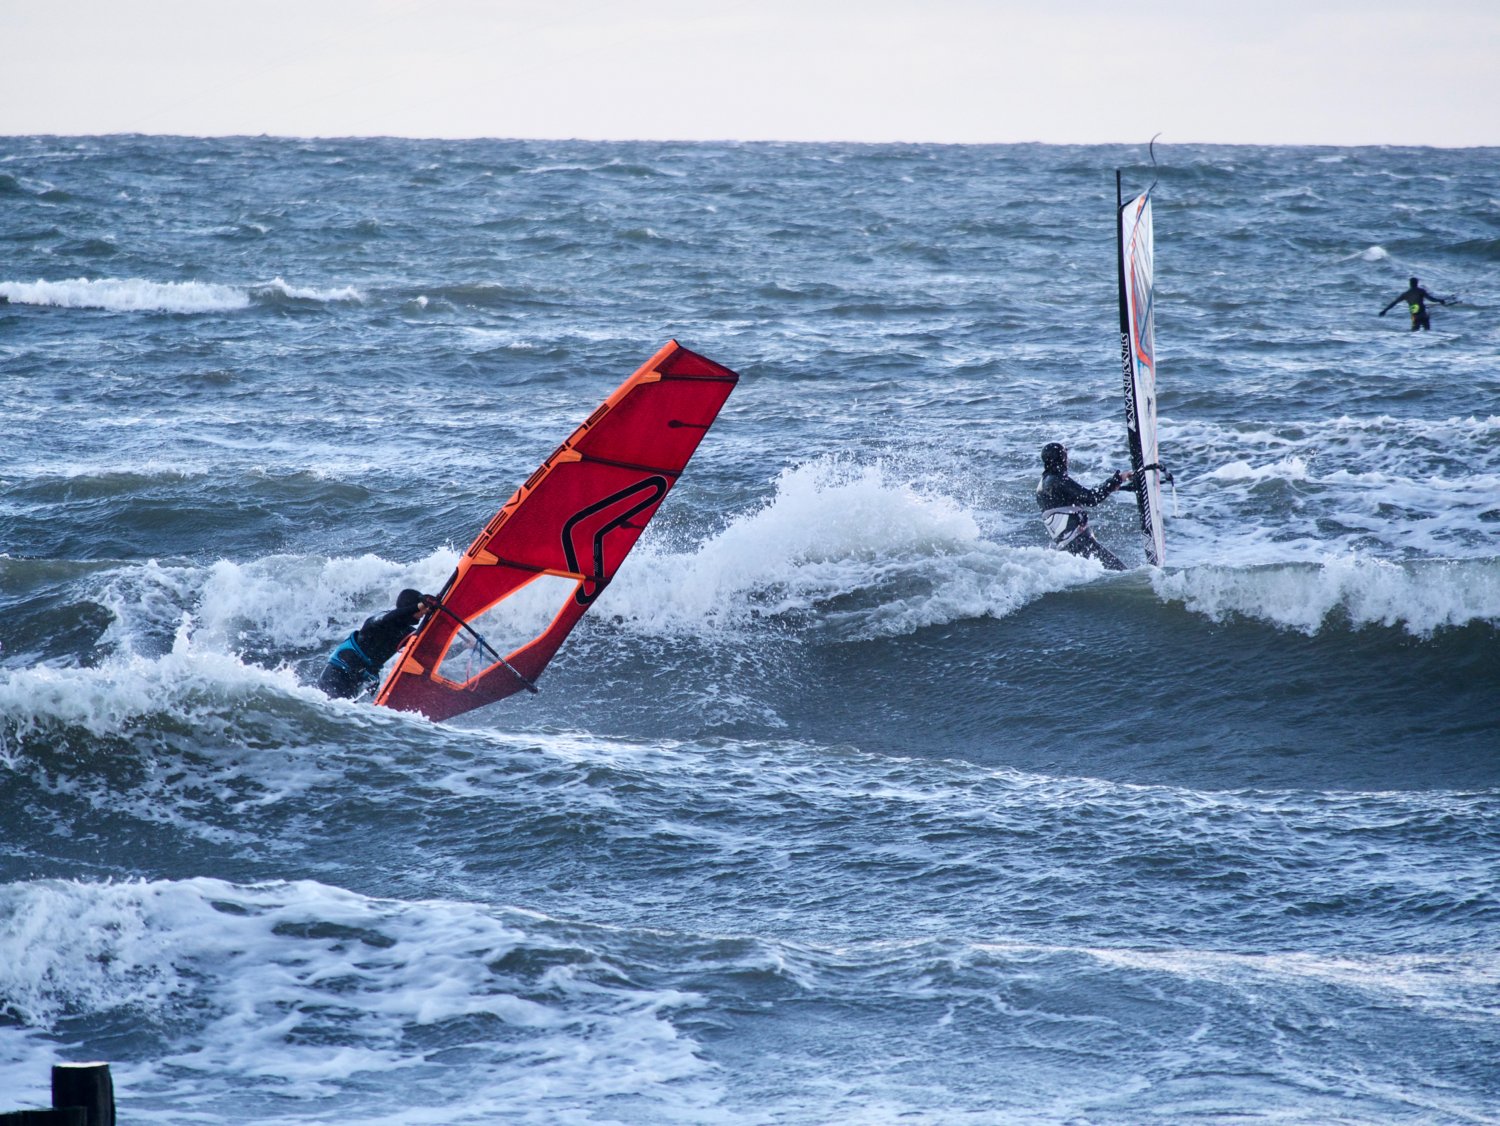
1120,278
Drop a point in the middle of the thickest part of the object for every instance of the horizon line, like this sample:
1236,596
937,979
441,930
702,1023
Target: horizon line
667,140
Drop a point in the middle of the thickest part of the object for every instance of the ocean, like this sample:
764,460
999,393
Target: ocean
849,801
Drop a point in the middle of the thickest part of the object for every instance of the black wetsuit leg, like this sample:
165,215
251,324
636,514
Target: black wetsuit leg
1420,320
1090,548
339,682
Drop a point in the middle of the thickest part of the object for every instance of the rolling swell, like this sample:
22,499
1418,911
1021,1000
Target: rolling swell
1230,704
1014,952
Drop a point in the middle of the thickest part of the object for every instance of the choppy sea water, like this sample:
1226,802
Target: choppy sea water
849,801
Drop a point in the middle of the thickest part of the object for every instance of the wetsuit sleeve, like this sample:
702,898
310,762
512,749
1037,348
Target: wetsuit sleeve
1074,493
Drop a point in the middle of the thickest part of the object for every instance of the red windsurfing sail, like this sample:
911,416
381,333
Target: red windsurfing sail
538,566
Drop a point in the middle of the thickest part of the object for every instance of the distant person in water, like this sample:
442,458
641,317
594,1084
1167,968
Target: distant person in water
1063,501
356,662
1416,298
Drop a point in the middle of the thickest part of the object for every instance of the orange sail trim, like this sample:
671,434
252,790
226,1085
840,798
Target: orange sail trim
574,519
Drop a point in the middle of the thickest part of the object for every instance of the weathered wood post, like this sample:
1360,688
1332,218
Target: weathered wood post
86,1085
83,1094
72,1116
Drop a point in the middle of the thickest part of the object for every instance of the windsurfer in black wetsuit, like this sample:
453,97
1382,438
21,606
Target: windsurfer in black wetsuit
1063,500
357,661
1416,298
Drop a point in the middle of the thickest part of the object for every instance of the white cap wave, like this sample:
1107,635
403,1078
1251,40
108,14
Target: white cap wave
132,295
860,548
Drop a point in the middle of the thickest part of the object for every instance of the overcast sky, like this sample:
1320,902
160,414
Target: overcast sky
1340,72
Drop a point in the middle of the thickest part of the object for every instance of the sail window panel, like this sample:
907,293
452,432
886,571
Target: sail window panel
506,626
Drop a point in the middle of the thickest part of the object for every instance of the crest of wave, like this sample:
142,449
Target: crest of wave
194,643
111,698
305,600
278,601
863,550
138,295
128,295
280,287
1420,597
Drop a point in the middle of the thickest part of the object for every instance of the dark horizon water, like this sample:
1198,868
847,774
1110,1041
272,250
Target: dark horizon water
849,801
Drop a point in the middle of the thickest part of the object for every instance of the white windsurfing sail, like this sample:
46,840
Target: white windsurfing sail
1138,363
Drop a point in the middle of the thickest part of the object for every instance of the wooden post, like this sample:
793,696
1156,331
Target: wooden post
86,1085
71,1116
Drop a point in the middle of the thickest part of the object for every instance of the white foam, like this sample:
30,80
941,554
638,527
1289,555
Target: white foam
290,600
347,293
1379,486
178,633
280,600
1285,469
1446,985
857,546
297,987
128,295
1420,597
110,698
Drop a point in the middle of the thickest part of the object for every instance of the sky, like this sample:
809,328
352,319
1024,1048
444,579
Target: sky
1335,72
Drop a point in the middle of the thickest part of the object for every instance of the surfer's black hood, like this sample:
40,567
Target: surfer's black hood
1055,459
